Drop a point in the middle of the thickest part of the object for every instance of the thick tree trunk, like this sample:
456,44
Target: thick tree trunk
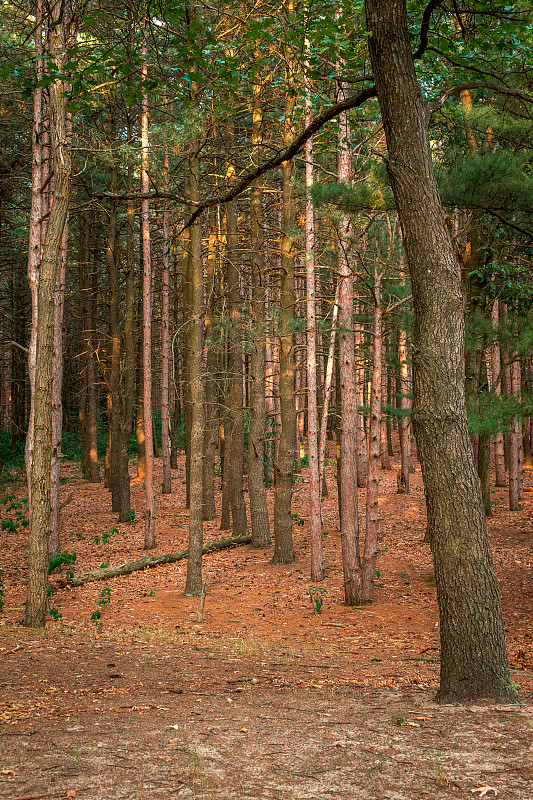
473,657
36,603
256,437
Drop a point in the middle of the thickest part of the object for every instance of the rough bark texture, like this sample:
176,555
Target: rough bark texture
375,426
256,436
193,583
404,423
514,446
165,346
149,521
284,464
315,504
36,603
347,473
473,657
234,468
211,422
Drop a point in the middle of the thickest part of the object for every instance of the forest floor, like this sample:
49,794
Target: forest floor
265,698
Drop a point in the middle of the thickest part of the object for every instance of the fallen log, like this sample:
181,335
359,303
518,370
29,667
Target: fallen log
148,561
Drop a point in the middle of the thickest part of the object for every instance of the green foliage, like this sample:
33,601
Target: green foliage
297,519
105,536
18,509
105,599
55,614
58,559
489,413
130,515
317,595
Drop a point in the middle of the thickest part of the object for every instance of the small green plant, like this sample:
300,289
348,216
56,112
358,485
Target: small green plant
105,599
297,519
58,559
317,595
378,574
398,720
130,515
105,537
103,565
77,534
151,593
19,513
55,614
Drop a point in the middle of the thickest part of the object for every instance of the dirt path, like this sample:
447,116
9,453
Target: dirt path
265,698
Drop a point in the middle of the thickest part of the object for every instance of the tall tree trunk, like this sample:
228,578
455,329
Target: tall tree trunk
211,400
256,437
193,584
35,225
149,526
165,344
515,437
315,504
404,424
234,468
473,657
374,444
499,454
284,464
348,507
36,601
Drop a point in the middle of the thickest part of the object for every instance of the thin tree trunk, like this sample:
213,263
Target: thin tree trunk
328,387
404,425
284,464
35,225
256,437
234,468
473,657
149,527
374,443
165,344
193,584
499,454
211,422
515,437
36,602
315,504
348,506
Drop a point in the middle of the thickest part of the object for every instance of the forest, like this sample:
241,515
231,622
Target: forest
267,358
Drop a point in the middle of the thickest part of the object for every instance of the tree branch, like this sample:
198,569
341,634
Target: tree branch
424,28
285,155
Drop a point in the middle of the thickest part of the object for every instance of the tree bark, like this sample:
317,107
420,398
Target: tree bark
284,464
165,344
473,657
149,526
347,473
36,602
315,503
256,437
193,584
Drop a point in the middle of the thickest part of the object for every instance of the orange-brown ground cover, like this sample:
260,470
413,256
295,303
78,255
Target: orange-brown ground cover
265,698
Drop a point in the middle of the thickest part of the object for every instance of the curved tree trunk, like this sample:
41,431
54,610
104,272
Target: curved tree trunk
473,657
